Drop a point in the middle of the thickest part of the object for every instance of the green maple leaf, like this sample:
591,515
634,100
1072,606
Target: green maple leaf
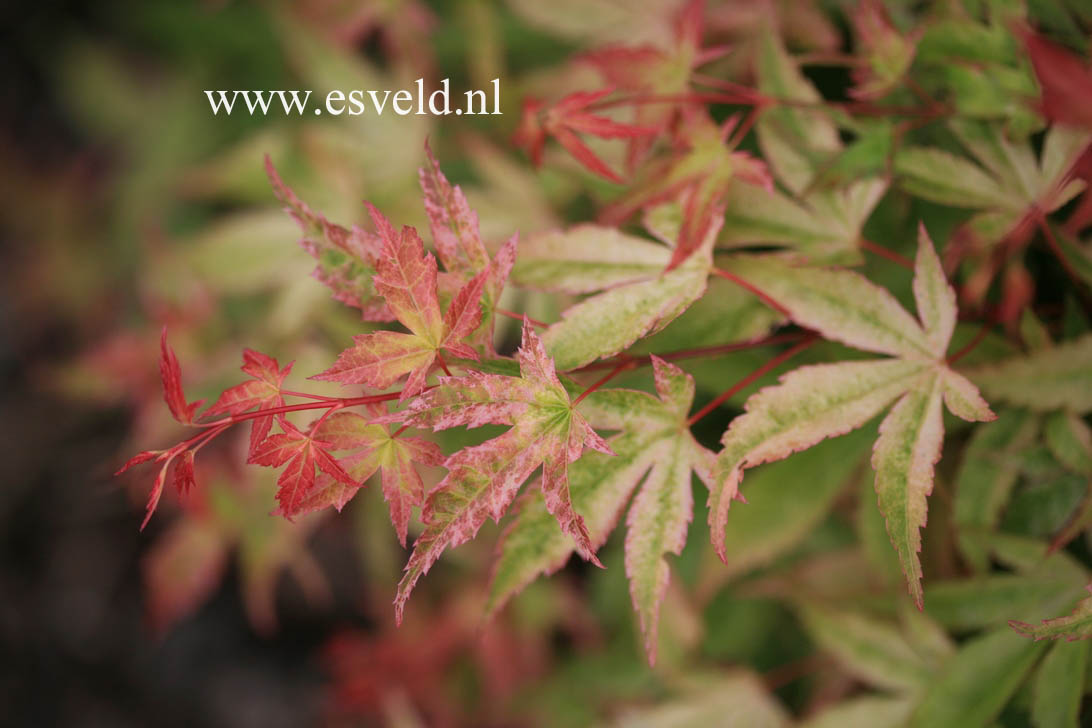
816,402
801,147
654,451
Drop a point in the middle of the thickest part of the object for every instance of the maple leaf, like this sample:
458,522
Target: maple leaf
183,411
455,230
698,176
825,400
1009,187
638,298
483,479
406,278
262,391
801,148
298,453
171,374
654,450
1065,81
347,259
457,238
656,71
1059,377
564,120
376,449
888,52
1076,626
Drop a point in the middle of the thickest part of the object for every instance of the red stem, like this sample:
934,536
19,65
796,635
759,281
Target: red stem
520,317
744,284
290,393
747,380
442,363
740,134
609,376
885,253
646,359
978,338
284,409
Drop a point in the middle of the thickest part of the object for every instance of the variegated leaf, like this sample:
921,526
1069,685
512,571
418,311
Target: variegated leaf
904,457
483,479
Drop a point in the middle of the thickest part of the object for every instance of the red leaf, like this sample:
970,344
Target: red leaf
278,449
183,474
329,465
465,313
455,230
171,373
296,480
583,154
568,116
1065,80
264,391
155,495
139,458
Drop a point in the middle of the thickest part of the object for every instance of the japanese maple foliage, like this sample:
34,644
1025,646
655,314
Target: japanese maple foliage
736,225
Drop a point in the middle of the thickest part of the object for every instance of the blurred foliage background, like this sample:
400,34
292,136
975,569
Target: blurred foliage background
127,205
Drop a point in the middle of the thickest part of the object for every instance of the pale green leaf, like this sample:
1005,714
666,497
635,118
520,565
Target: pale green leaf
809,405
586,258
795,142
866,712
1070,441
934,296
904,457
986,477
786,500
610,322
977,682
1059,686
656,526
944,178
737,699
1050,379
841,305
963,399
871,650
825,227
990,600
655,440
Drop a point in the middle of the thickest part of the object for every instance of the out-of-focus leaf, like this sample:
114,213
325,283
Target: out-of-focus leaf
182,569
989,471
866,712
795,142
737,699
786,500
1070,441
1059,686
825,227
975,685
989,600
1056,378
1075,626
874,651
